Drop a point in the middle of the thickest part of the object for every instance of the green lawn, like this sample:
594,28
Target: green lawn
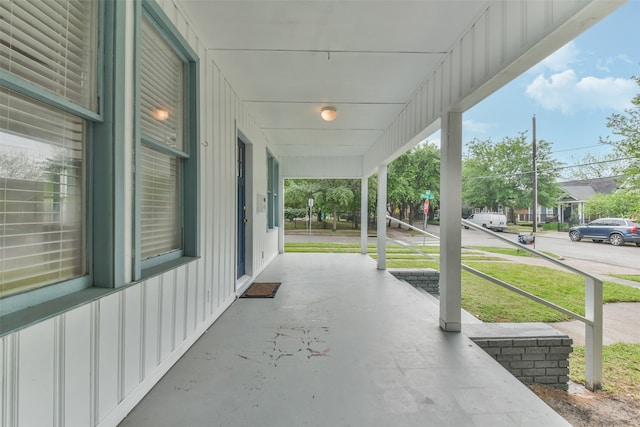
510,251
620,369
492,303
632,277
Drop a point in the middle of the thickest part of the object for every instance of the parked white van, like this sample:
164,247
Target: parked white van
493,221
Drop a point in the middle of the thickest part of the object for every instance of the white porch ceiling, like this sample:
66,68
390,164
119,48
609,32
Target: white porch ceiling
288,59
390,68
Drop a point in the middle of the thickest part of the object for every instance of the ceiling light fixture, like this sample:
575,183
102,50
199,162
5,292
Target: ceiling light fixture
328,114
160,114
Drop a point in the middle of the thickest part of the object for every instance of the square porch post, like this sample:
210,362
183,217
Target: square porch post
364,214
382,217
450,226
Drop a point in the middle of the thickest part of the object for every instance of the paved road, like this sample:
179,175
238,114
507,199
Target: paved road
599,259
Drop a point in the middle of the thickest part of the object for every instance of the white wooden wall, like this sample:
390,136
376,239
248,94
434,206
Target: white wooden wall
91,365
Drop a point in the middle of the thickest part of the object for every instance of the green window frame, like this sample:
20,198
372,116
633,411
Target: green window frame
273,180
166,147
51,109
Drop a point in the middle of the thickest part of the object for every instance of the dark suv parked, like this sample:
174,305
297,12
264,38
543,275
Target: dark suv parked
618,231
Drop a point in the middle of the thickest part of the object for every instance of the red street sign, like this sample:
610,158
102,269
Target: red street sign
426,206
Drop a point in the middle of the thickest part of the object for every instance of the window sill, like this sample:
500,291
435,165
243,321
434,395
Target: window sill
166,266
29,316
24,318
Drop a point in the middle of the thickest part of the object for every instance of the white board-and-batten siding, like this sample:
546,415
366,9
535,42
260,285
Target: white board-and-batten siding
89,366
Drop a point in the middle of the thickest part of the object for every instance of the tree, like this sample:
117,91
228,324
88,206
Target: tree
409,176
501,174
626,200
329,195
621,204
21,165
627,126
591,166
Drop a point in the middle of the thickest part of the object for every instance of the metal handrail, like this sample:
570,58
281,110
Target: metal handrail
593,318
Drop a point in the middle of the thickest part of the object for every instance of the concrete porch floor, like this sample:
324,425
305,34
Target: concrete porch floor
341,344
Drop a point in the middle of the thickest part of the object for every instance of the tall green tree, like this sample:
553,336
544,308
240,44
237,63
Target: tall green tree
625,202
621,204
332,196
501,174
409,176
627,126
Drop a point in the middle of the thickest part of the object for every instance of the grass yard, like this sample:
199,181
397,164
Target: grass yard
511,251
492,303
621,369
632,277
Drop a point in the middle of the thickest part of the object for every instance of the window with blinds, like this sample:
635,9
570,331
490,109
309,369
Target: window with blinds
41,195
48,48
52,44
163,148
160,205
273,179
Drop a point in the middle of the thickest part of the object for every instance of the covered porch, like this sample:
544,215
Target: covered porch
342,343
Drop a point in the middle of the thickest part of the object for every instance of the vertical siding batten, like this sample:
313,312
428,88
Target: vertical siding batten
77,359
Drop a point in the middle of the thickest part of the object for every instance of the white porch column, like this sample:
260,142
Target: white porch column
281,215
364,214
450,214
382,217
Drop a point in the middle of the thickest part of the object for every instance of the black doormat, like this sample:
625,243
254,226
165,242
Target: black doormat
262,290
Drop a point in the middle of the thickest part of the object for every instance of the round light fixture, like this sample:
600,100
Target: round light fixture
328,114
160,115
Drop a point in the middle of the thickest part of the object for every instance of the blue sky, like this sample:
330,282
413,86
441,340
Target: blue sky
571,93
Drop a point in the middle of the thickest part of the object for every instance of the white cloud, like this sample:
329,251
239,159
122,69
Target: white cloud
560,60
567,93
605,64
476,127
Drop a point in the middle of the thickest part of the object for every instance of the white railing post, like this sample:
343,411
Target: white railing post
593,333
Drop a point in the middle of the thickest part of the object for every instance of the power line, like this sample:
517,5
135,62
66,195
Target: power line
554,169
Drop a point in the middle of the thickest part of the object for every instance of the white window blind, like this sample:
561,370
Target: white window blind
42,194
162,90
273,179
160,209
162,93
52,43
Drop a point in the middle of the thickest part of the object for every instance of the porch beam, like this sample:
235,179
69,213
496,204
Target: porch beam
450,215
382,217
364,214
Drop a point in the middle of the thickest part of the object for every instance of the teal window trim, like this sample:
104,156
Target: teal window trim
190,162
165,26
42,295
108,155
110,28
276,189
161,259
33,91
273,181
163,148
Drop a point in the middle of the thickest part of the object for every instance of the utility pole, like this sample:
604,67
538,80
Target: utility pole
535,178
